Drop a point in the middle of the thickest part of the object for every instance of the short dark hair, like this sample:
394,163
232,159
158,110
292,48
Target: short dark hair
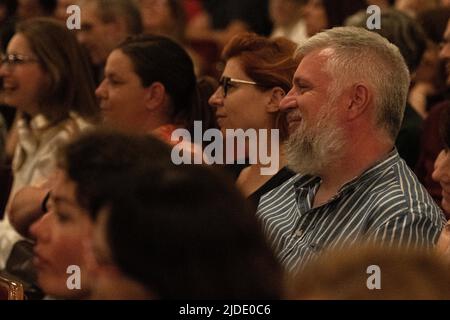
95,159
185,232
160,59
182,231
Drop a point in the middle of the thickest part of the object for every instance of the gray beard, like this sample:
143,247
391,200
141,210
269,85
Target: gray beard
310,150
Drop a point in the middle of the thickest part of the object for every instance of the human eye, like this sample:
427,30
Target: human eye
301,87
113,80
62,216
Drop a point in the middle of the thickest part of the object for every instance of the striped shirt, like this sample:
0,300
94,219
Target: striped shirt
385,204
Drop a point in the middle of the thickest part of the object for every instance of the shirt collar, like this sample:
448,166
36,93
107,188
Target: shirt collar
309,181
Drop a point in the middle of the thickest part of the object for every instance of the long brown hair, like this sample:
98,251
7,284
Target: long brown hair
71,87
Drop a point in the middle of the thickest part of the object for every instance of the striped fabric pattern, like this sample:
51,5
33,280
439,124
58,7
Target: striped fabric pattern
386,204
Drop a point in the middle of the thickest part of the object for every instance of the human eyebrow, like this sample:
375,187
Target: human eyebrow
301,83
112,76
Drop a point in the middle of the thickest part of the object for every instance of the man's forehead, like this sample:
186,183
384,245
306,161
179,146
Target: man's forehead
313,62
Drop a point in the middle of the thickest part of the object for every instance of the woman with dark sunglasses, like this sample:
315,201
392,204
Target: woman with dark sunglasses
258,72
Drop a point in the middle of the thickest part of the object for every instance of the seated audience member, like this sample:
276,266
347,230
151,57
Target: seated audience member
168,243
373,273
404,32
154,77
257,75
105,24
163,17
441,173
179,244
51,86
168,18
220,20
432,143
287,18
431,74
325,14
352,185
63,234
28,9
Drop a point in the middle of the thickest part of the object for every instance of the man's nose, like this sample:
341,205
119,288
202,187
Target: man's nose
288,102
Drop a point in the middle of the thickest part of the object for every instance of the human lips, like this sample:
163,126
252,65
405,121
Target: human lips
220,118
39,260
9,86
104,106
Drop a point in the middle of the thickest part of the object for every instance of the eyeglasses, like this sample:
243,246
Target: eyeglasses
226,82
15,59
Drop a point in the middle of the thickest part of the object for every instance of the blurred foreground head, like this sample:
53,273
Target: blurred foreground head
349,273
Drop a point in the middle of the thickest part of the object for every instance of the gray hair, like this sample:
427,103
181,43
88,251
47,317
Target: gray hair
361,55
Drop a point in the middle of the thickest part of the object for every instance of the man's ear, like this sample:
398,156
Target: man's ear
360,97
155,96
276,95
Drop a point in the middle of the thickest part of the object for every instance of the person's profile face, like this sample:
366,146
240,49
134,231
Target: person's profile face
441,174
444,54
61,236
24,79
122,95
240,91
95,35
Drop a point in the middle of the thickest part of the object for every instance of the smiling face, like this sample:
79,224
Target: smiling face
315,17
244,106
315,135
23,81
62,236
122,95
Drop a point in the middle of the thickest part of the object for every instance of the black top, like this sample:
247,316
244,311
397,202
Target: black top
283,175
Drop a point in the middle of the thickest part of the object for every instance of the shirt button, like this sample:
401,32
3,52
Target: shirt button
299,233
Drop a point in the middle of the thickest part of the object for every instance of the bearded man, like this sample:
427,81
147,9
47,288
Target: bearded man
344,112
